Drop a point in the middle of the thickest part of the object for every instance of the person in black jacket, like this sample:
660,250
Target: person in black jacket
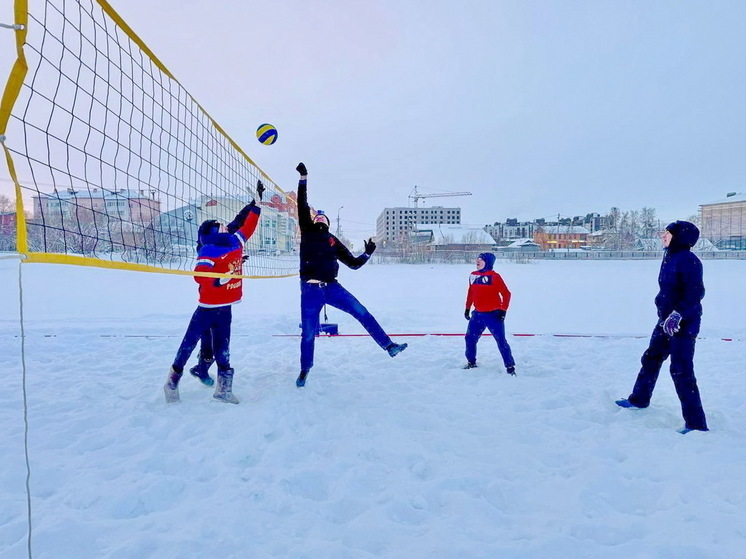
320,253
679,304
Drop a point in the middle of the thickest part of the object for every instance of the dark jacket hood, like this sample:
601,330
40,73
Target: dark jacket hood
489,261
685,235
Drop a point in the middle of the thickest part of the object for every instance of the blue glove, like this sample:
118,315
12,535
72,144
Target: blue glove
467,314
671,324
500,314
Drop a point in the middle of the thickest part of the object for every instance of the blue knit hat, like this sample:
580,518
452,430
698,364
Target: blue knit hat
489,260
685,235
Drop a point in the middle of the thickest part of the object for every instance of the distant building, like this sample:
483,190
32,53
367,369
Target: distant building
139,207
522,245
277,229
561,236
7,221
510,231
452,237
597,239
395,224
724,221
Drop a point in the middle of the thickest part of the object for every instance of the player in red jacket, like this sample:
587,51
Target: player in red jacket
218,251
490,297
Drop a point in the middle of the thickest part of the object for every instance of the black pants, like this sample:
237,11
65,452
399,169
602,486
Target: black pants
680,347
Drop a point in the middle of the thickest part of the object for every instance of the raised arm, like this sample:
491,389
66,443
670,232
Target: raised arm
304,210
240,219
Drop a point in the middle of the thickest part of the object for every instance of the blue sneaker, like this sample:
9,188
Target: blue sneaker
624,403
301,380
395,349
686,430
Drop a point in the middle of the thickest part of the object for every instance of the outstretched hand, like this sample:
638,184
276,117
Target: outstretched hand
301,168
259,189
370,246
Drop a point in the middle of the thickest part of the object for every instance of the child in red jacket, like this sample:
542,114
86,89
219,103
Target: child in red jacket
218,251
490,297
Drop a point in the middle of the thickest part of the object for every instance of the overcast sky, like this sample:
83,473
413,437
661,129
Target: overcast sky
537,107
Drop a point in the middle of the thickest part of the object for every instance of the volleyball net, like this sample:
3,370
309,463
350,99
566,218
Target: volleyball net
114,164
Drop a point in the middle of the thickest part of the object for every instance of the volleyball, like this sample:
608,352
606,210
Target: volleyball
266,134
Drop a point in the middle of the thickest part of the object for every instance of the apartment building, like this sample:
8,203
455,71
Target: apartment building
395,224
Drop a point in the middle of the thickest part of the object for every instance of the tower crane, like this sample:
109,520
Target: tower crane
415,195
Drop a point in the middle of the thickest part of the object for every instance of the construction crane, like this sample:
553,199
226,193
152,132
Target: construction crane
415,196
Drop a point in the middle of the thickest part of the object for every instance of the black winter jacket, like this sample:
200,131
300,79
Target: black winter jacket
319,249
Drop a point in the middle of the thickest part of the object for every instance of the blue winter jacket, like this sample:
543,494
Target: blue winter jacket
680,279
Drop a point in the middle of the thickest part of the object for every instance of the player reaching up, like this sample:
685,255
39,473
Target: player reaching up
218,251
320,254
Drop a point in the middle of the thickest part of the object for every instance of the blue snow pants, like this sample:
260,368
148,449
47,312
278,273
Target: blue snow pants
680,347
216,321
313,296
477,323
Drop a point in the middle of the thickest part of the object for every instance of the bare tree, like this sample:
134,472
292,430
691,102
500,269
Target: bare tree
649,222
6,204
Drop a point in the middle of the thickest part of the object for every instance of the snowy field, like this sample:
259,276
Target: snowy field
410,457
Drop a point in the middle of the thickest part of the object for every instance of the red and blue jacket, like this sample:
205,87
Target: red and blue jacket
487,292
222,253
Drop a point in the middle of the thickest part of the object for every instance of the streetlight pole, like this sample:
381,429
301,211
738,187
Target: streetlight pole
338,233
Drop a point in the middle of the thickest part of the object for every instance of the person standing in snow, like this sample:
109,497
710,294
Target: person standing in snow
320,253
218,251
679,305
490,297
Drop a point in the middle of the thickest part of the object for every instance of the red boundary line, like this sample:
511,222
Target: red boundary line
418,335
411,335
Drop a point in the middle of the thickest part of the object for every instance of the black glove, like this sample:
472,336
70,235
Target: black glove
301,168
500,314
370,246
467,314
259,188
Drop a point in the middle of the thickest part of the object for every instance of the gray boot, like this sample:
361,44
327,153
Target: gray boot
171,388
224,390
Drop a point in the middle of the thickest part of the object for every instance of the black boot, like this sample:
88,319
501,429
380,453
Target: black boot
171,388
200,371
301,380
224,390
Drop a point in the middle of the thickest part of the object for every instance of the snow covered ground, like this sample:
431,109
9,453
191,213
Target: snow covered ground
376,457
